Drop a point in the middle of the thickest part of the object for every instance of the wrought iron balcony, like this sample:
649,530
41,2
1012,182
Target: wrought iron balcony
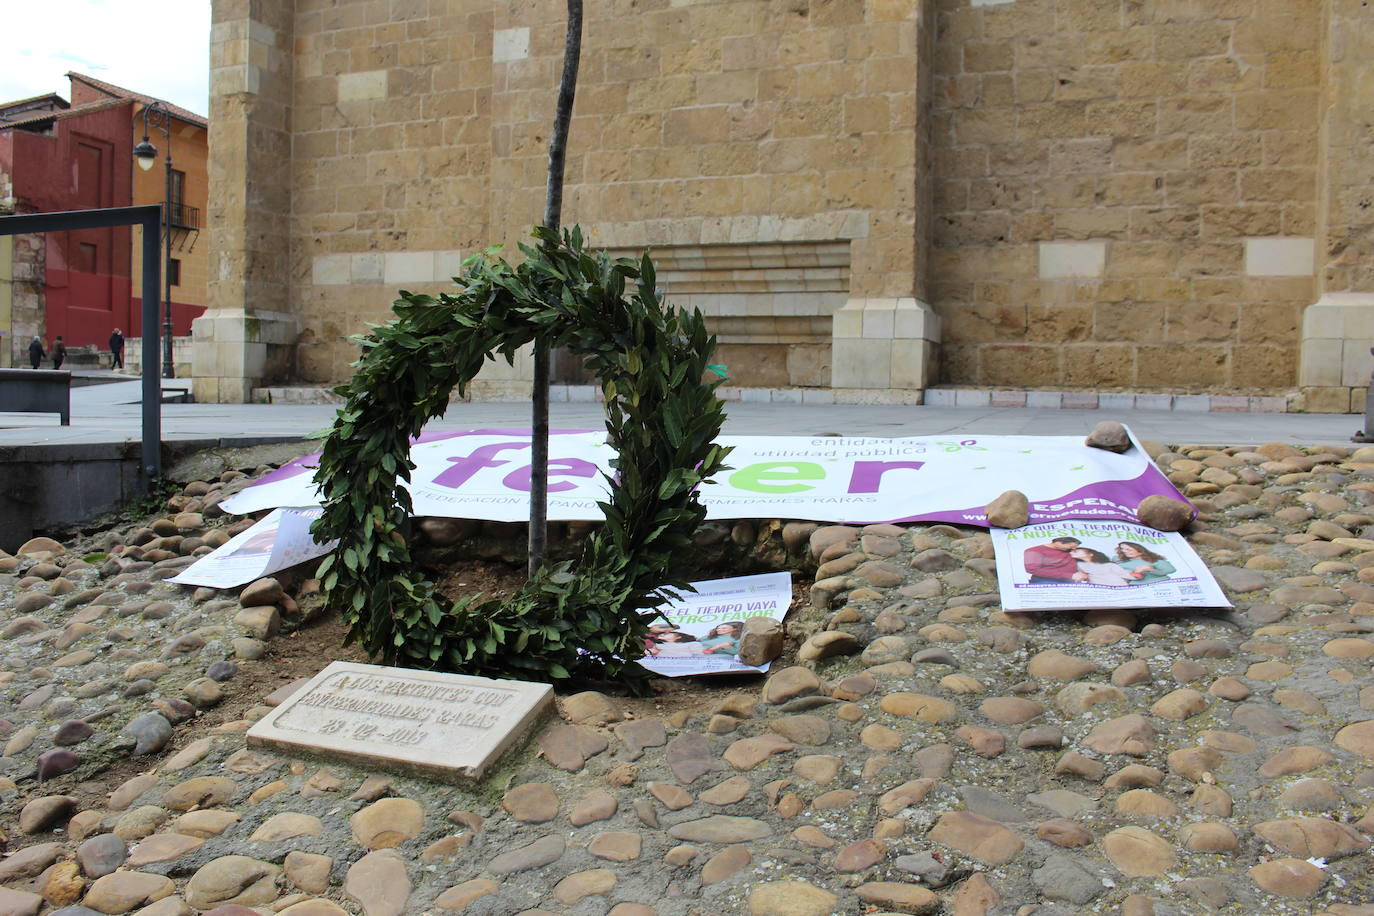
185,216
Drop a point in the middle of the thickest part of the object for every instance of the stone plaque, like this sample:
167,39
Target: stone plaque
422,722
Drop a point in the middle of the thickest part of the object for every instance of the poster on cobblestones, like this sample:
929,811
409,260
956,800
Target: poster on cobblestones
702,631
485,474
1082,565
280,540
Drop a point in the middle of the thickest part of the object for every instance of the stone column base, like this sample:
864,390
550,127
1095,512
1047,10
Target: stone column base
1337,334
1334,363
1314,399
133,357
234,351
884,345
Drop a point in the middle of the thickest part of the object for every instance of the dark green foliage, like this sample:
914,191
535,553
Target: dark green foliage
160,489
661,418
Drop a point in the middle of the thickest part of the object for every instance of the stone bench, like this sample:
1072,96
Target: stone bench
36,391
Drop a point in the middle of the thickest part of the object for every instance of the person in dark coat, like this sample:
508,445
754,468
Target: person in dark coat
116,350
36,353
59,352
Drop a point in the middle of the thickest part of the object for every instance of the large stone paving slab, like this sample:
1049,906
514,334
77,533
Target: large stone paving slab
449,726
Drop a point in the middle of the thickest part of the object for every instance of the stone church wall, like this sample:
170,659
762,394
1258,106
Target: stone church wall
1125,192
766,149
869,196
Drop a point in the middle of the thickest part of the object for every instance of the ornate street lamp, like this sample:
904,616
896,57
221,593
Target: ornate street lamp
145,154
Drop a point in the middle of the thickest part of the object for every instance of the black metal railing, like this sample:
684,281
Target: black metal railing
184,216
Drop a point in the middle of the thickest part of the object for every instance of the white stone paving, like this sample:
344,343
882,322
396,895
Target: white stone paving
110,413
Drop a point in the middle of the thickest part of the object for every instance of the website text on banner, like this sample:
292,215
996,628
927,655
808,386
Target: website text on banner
485,474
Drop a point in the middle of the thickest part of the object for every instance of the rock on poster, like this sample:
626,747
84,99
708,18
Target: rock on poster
702,631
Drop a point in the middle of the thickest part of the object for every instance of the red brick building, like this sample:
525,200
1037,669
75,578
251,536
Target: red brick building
59,155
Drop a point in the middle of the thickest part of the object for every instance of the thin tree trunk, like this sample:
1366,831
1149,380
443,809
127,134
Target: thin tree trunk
562,117
553,214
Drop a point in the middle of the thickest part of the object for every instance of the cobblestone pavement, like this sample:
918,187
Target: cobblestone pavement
922,751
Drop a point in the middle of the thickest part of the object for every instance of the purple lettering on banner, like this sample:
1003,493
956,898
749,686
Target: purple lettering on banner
308,463
467,465
571,467
868,475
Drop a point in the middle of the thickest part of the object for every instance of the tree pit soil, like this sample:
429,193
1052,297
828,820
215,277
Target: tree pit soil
305,651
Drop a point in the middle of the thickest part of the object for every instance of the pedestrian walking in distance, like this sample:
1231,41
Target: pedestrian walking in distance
59,353
36,353
117,350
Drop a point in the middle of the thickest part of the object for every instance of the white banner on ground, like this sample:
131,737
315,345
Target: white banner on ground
704,637
1082,565
485,474
280,540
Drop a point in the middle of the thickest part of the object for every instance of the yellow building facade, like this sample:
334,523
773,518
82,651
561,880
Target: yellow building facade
190,196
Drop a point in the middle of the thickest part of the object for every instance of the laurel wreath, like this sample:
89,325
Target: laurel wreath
571,620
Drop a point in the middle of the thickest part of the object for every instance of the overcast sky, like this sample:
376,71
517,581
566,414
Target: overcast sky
157,47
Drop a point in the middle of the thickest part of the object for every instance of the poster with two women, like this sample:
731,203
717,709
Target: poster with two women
1081,565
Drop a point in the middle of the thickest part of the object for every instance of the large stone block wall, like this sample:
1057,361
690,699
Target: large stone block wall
27,294
1338,329
1125,192
770,305
391,162
6,302
420,134
727,122
22,289
1027,193
247,336
7,342
1346,179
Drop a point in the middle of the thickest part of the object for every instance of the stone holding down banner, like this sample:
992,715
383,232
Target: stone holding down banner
450,726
